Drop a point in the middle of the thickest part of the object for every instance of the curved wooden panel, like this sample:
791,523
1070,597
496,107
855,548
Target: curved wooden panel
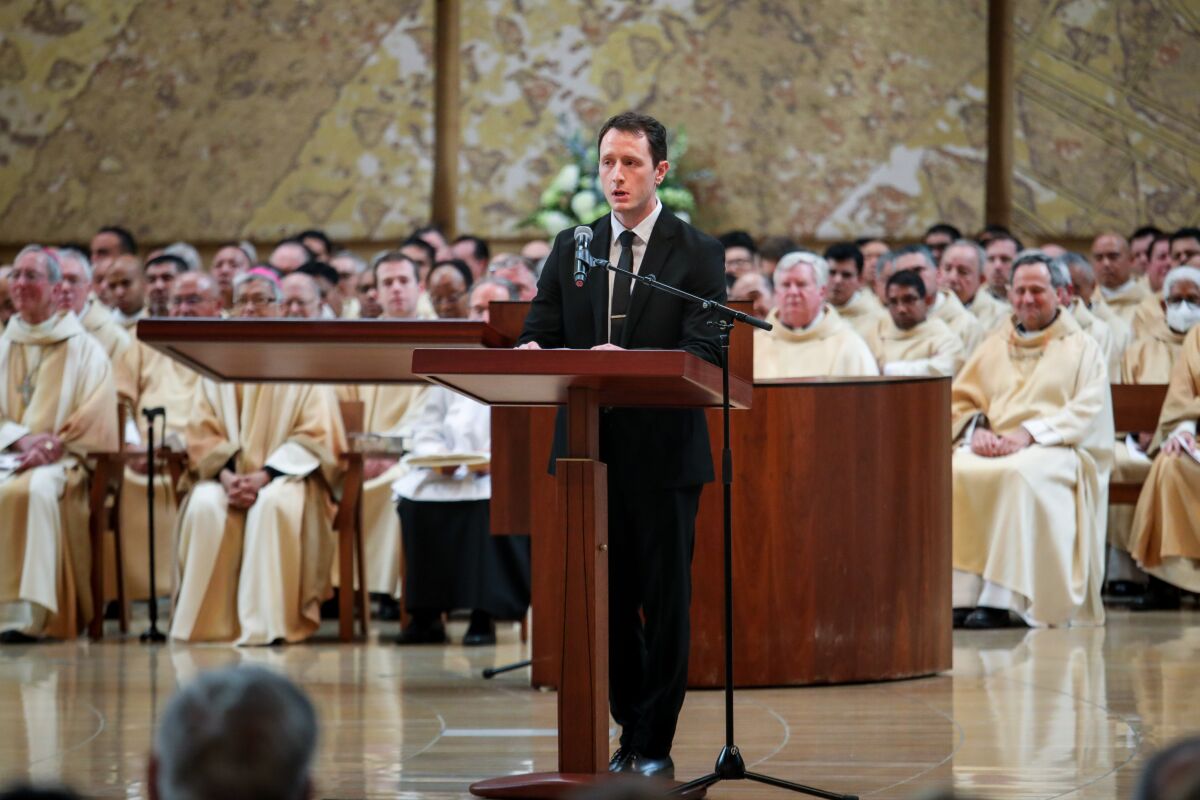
841,503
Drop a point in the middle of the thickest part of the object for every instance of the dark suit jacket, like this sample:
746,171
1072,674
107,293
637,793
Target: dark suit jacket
656,447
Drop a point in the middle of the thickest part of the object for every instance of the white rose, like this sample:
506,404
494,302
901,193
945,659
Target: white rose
553,221
583,206
567,180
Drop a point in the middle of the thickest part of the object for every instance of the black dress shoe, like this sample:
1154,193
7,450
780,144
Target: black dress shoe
655,767
421,634
960,616
984,618
1159,596
480,638
16,637
622,760
1124,589
389,609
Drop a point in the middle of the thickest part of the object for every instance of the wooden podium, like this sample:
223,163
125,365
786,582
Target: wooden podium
585,382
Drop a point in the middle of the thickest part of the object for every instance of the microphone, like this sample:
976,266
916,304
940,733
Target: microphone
583,237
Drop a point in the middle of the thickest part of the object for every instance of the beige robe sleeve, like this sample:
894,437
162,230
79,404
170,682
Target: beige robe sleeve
1182,405
210,443
1075,422
92,425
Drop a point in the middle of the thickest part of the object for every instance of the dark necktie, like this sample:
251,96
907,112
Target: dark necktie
621,288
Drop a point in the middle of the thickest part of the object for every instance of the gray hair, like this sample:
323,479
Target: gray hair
980,253
819,266
1074,261
247,277
360,265
1189,274
186,253
53,268
71,254
236,733
493,280
249,249
918,249
1033,256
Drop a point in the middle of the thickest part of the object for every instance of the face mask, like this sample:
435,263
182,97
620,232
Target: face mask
1182,316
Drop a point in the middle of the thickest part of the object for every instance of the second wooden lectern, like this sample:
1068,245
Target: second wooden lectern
585,382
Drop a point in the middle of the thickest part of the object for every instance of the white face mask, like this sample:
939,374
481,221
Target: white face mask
1182,316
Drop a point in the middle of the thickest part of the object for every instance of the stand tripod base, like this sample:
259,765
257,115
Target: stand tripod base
731,767
555,785
152,636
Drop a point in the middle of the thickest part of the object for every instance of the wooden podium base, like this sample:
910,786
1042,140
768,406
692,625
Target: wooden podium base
555,785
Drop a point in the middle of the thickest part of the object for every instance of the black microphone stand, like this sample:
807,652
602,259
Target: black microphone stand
153,635
729,766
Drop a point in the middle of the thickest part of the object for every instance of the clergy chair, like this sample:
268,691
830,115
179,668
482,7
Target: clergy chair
1136,407
348,528
104,514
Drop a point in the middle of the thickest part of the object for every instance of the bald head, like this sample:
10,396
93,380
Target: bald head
195,294
301,296
1112,260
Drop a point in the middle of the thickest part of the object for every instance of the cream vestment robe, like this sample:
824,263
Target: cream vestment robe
862,312
1029,527
1121,331
389,410
950,310
1147,315
1148,360
1124,300
45,552
145,379
827,348
1165,540
259,575
1099,330
928,348
989,309
98,321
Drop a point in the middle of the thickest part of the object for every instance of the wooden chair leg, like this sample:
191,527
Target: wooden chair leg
523,625
360,553
96,523
119,559
346,523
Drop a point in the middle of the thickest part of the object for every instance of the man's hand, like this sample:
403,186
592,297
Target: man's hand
242,490
1017,440
985,443
374,467
1180,444
607,346
529,346
38,450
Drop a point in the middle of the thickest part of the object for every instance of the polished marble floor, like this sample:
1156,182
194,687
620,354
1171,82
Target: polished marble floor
1043,714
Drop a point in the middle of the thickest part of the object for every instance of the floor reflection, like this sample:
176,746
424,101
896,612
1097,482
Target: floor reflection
1022,714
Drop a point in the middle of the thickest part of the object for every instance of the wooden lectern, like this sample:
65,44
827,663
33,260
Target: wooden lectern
585,382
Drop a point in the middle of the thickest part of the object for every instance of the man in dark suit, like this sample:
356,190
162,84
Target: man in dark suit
657,459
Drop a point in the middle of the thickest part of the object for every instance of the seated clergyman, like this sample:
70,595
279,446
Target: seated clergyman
57,403
809,338
1149,360
1032,411
1064,270
855,303
75,295
946,305
146,378
961,270
906,342
1165,540
255,531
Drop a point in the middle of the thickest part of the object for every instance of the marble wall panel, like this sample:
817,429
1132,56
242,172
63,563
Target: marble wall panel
215,119
1107,114
824,118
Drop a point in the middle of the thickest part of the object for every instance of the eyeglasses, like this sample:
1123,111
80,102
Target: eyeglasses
187,300
257,302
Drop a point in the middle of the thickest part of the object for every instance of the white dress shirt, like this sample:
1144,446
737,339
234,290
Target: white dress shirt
448,422
641,237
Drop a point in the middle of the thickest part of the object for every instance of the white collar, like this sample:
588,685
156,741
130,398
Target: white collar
1124,287
643,229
